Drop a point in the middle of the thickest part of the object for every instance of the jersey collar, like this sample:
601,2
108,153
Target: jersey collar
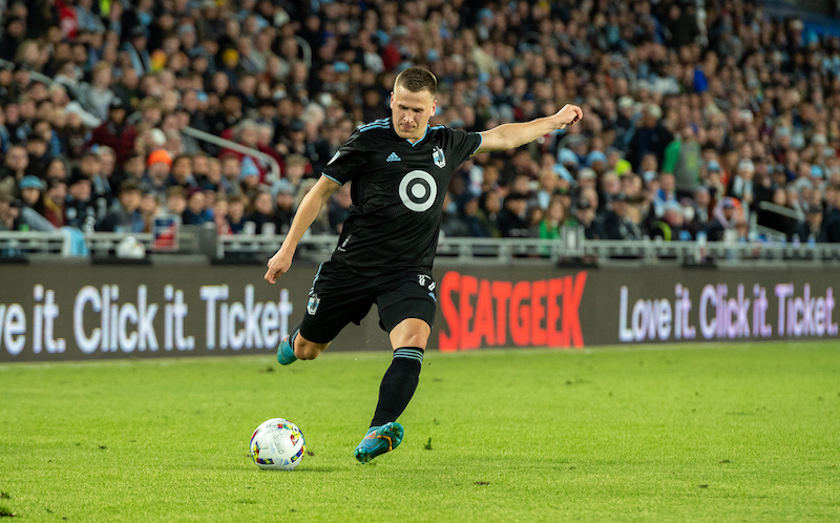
425,133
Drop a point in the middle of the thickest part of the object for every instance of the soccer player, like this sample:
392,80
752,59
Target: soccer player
400,169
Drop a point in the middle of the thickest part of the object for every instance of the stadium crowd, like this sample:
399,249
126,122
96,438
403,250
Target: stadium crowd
693,116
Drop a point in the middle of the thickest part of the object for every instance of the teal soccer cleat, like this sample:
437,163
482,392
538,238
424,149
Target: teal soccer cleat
379,440
285,352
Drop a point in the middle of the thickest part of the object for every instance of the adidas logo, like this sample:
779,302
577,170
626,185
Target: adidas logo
393,158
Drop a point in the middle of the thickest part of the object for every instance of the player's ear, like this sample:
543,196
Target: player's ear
391,105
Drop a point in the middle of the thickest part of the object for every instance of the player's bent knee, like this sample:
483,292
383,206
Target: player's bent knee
415,340
411,332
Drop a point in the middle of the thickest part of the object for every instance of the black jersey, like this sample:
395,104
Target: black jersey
397,192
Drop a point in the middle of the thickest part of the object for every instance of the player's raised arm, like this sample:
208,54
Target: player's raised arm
512,135
306,213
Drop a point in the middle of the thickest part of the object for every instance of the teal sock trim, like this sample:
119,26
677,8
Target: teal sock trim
412,353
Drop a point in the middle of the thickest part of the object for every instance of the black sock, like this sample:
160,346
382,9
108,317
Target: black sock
293,334
398,385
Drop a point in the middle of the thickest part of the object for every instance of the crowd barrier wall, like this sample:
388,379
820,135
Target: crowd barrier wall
56,312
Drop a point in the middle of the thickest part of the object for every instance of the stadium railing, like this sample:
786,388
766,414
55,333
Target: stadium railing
784,211
221,142
40,245
572,248
34,75
15,244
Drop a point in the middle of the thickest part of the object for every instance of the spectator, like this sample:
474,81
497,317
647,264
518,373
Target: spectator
14,168
742,230
102,197
702,202
555,217
101,98
126,89
586,217
79,210
136,51
56,170
610,189
666,194
831,221
107,167
54,200
638,206
229,167
671,227
597,161
9,213
284,209
39,157
512,218
295,170
236,214
249,178
294,141
810,229
616,224
125,215
158,167
149,208
741,185
262,215
196,212
227,116
469,215
202,174
116,132
176,201
220,215
13,35
548,183
649,137
534,219
486,223
182,173
723,221
682,159
33,209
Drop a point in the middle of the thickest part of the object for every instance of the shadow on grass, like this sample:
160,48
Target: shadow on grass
303,470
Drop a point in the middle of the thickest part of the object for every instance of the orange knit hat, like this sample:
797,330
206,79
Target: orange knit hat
159,155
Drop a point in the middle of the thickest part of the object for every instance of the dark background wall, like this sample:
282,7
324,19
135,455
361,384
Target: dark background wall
55,312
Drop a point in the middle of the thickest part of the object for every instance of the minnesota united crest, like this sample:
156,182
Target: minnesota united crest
312,306
438,157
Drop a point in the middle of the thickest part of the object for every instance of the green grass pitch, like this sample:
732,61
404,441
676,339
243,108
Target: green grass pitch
697,433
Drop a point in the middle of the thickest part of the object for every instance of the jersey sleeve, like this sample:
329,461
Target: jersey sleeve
346,162
463,144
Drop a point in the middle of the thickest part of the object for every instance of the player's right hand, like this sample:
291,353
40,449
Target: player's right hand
279,264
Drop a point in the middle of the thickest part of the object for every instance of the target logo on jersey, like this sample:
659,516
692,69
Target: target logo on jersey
418,190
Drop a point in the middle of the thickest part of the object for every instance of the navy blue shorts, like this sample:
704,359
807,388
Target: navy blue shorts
340,296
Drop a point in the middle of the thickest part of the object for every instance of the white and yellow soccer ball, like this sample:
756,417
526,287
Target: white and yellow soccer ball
277,444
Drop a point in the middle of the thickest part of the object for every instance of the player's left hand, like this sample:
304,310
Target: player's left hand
569,115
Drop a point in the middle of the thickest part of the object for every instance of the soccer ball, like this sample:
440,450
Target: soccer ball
277,444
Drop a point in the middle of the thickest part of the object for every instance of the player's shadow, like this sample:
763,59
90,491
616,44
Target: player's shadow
316,470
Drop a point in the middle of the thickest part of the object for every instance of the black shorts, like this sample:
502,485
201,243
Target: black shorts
339,296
